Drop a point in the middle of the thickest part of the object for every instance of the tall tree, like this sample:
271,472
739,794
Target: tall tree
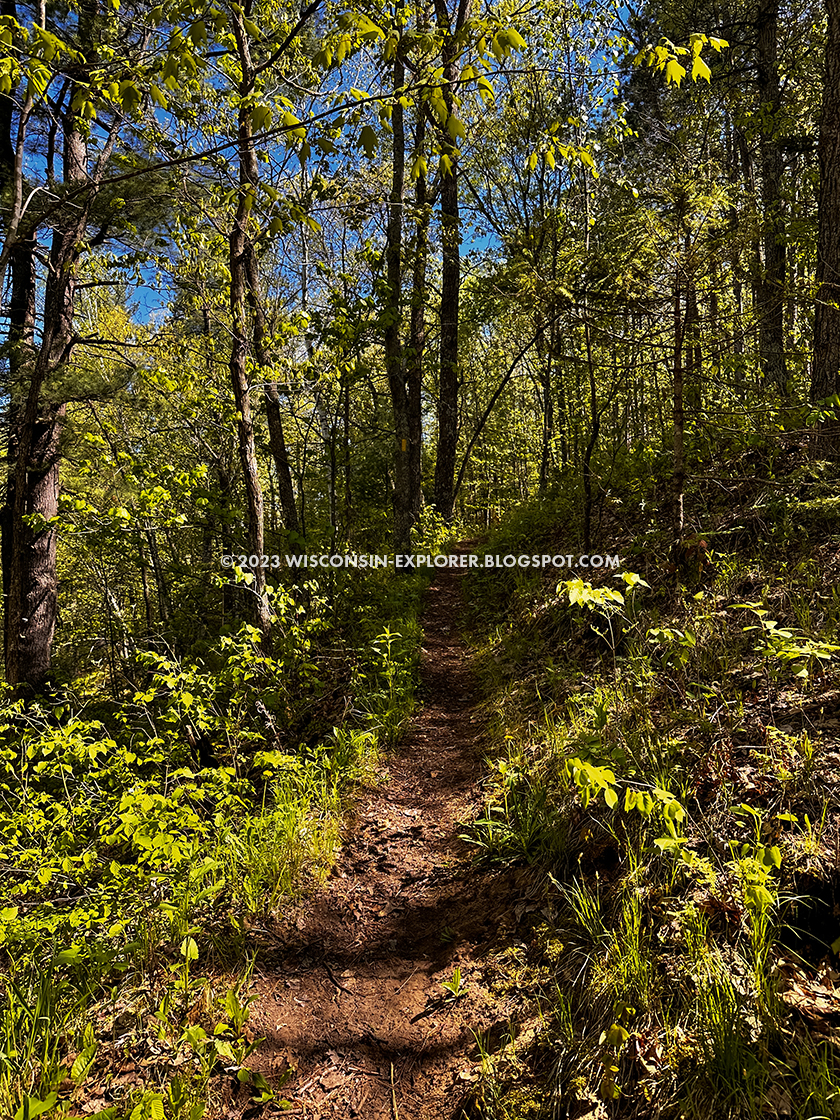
772,285
36,408
825,376
450,294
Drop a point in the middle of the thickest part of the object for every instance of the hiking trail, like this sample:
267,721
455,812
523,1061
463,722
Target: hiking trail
348,983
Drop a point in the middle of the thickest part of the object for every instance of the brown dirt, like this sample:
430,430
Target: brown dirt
350,993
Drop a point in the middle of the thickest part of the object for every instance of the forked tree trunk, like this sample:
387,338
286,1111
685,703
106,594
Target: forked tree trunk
33,484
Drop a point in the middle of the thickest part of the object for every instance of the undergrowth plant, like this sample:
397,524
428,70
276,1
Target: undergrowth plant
144,835
639,766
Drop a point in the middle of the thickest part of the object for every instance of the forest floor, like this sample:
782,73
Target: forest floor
349,982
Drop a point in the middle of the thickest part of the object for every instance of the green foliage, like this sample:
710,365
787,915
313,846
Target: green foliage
677,875
131,852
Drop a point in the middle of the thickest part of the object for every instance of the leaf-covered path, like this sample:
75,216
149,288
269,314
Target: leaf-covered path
351,992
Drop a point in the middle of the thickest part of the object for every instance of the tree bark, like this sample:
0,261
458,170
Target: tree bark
239,249
825,375
280,455
678,513
771,335
274,415
33,484
416,344
394,356
450,274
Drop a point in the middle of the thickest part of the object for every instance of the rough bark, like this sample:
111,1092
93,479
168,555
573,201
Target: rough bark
825,376
274,415
280,455
416,343
394,358
678,481
771,334
450,274
33,483
239,250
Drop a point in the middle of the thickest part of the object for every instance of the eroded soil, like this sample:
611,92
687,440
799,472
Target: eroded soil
350,992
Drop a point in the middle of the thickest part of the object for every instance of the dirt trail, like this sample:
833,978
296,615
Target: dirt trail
351,995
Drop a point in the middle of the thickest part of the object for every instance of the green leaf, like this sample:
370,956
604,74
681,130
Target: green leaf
261,118
456,129
699,70
293,126
33,1107
68,956
189,949
369,141
515,39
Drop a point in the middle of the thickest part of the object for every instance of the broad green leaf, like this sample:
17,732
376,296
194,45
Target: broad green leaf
189,949
369,141
699,70
33,1107
456,129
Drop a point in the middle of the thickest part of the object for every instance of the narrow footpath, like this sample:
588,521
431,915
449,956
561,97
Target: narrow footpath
350,995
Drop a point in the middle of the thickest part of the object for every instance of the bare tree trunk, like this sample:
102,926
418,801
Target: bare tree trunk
545,354
144,581
416,345
394,356
164,602
348,485
240,291
280,455
772,286
30,579
592,442
693,351
678,514
274,415
450,274
826,368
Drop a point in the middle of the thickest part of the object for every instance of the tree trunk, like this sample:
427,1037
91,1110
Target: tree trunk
244,422
29,550
394,357
416,345
450,274
594,433
280,455
825,376
693,350
771,337
274,415
240,291
678,515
